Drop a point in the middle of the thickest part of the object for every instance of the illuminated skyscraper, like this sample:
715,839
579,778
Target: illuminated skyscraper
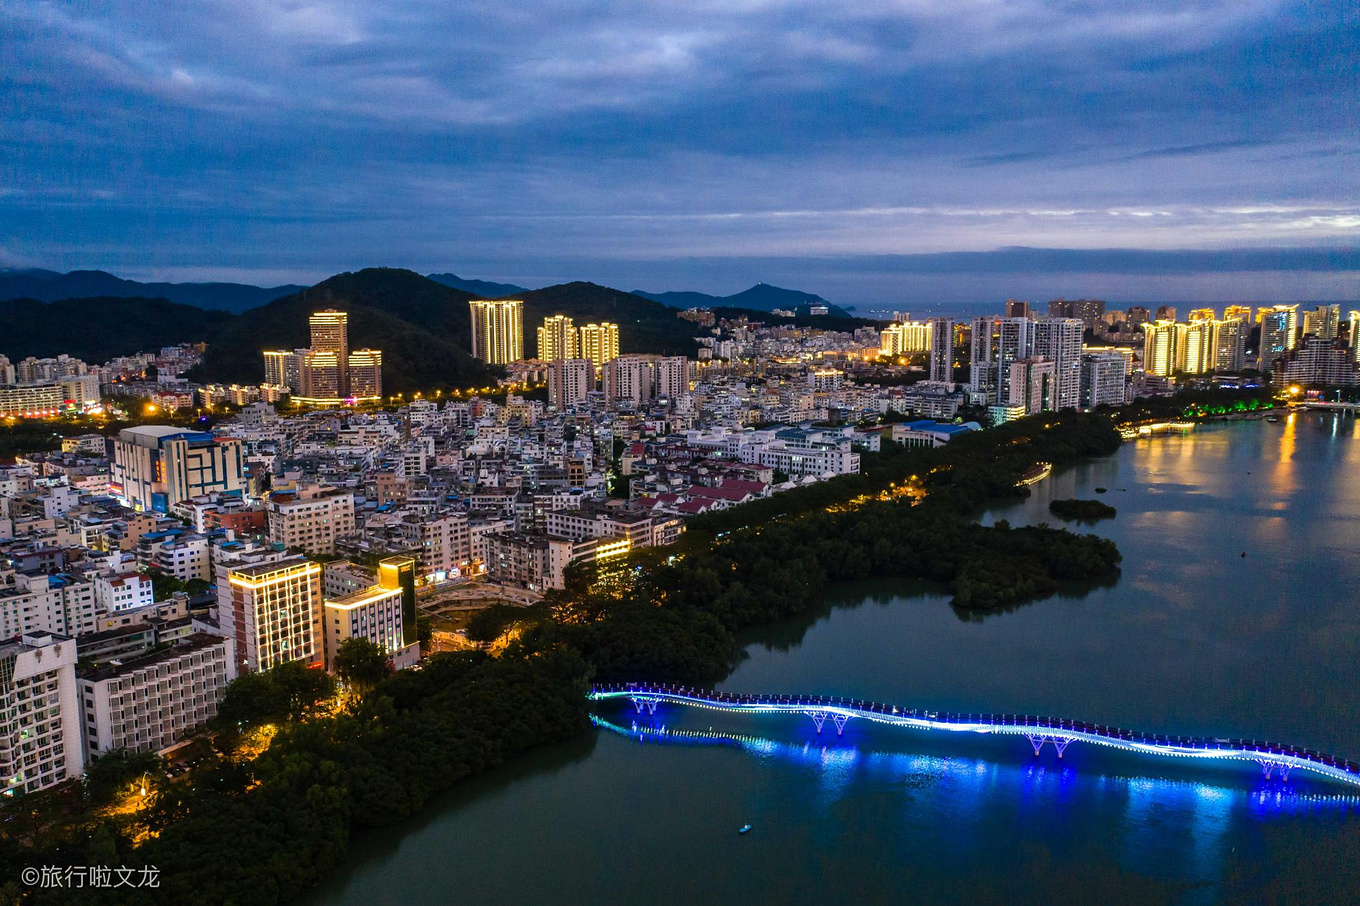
497,330
1279,332
1202,314
1159,348
557,339
273,610
1241,312
1353,321
365,374
600,342
906,337
1231,344
1196,346
1323,322
330,345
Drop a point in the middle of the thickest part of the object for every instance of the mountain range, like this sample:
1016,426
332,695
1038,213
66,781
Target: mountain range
49,286
422,325
761,297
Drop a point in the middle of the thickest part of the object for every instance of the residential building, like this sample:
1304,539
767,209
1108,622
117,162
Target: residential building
1033,384
1279,332
497,330
39,714
557,339
152,701
942,346
600,342
1159,348
569,381
1104,379
1059,341
309,518
1231,340
273,612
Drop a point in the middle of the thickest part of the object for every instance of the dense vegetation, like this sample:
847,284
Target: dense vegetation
108,327
49,286
260,830
423,329
1081,510
644,325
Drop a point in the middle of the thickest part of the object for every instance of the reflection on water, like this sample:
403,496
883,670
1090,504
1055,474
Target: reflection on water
1195,638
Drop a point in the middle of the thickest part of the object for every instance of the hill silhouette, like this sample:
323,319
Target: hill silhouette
49,286
101,328
644,325
482,289
422,327
761,297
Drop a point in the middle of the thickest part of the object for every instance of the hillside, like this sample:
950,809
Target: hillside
422,327
761,297
847,324
480,289
644,325
49,286
101,328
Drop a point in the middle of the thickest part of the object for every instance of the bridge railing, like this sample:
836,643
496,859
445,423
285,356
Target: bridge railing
1059,725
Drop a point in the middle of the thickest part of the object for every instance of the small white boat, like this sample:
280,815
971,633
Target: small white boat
745,829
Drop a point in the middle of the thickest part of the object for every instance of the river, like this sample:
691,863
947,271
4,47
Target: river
1194,638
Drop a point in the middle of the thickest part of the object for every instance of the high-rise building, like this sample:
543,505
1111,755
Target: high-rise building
39,714
1316,361
1353,323
672,376
273,611
1231,343
384,614
365,375
1059,341
1032,385
1240,312
1196,346
329,373
1323,322
557,339
600,342
997,343
1279,332
942,347
1202,314
157,466
1104,377
330,352
497,330
1166,312
1017,309
1136,315
569,380
904,338
1159,347
1087,311
628,379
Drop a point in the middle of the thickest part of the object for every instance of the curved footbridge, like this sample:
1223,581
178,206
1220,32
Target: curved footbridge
1274,759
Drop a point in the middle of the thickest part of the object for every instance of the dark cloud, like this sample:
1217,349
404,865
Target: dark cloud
299,137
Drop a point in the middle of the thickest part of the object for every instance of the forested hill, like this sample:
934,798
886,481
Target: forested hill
422,327
49,286
644,325
101,328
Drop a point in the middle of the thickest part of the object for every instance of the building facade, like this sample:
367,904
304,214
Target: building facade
497,330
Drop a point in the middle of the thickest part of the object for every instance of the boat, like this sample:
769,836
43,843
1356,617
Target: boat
1272,418
745,829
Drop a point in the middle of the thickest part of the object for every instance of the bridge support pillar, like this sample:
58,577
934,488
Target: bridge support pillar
644,701
1269,767
841,720
1037,740
818,718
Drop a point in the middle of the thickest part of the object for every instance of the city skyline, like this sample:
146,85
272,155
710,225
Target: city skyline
1157,154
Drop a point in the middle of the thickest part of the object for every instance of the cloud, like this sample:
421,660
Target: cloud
314,134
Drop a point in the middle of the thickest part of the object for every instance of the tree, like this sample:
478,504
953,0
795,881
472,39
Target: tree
362,664
424,630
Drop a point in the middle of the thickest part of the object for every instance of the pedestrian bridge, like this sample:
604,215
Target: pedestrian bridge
1273,758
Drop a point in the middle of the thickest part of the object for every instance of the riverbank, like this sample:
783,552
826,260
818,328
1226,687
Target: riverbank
262,831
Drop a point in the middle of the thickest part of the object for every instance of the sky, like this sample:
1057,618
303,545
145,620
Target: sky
881,153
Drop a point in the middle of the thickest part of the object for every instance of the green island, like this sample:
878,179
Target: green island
292,769
1081,510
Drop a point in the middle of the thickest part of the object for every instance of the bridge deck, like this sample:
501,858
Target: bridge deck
1267,754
